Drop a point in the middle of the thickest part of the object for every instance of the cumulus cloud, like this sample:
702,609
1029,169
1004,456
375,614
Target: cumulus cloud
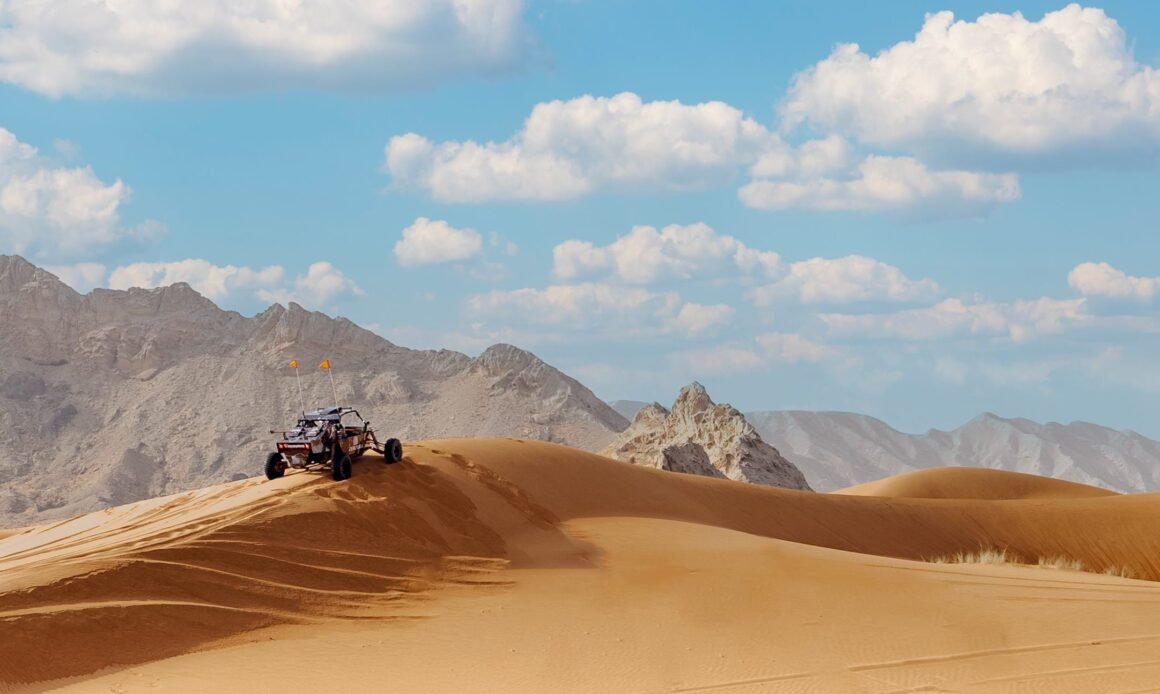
576,306
1065,83
321,284
811,159
597,309
429,241
567,149
676,252
83,277
46,209
844,280
719,359
1103,280
144,47
887,184
791,348
1019,320
696,320
215,282
764,351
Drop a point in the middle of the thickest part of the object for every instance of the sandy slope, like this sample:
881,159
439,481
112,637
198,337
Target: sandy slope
500,565
973,483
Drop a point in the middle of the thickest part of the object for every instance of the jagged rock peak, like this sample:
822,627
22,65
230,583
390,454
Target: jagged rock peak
700,437
16,273
654,412
694,398
505,357
15,263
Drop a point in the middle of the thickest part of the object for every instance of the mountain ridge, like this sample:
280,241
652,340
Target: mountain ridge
118,395
842,449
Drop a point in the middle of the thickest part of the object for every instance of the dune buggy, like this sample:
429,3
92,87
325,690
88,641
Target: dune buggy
331,437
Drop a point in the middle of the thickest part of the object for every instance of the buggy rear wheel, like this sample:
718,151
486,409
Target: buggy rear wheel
275,466
340,468
392,451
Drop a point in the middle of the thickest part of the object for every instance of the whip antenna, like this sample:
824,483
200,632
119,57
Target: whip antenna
325,365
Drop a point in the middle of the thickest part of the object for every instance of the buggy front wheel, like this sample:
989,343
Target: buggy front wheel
275,466
392,451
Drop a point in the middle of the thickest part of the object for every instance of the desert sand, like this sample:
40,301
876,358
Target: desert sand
500,565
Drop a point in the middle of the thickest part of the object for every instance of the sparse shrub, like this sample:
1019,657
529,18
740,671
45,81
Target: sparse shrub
1062,563
999,556
983,556
1120,571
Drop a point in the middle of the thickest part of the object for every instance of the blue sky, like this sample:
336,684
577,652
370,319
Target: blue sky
955,216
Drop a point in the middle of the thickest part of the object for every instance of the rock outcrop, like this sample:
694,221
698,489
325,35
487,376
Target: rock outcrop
114,396
701,437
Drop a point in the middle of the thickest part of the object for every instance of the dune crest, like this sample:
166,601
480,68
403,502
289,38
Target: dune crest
973,483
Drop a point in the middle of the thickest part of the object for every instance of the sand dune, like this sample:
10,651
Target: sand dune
974,483
505,565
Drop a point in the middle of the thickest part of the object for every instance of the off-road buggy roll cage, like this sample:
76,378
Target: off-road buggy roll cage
322,438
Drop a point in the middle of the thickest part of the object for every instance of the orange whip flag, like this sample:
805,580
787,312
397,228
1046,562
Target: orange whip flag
293,363
325,364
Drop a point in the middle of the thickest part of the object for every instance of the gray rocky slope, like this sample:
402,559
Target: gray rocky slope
840,449
114,396
700,437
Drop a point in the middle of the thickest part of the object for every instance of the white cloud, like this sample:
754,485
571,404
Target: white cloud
567,149
82,277
646,255
844,280
1103,280
59,211
791,348
1019,320
212,281
812,159
577,306
739,357
696,320
1003,83
146,47
881,183
719,359
429,241
321,284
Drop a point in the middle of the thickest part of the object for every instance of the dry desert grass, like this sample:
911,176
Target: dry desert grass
1000,557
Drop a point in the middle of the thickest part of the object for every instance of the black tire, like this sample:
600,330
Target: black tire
340,468
275,468
392,451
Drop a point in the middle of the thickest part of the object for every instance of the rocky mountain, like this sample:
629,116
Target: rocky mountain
114,396
839,449
701,437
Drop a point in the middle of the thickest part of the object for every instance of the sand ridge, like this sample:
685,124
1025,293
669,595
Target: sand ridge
499,524
974,483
